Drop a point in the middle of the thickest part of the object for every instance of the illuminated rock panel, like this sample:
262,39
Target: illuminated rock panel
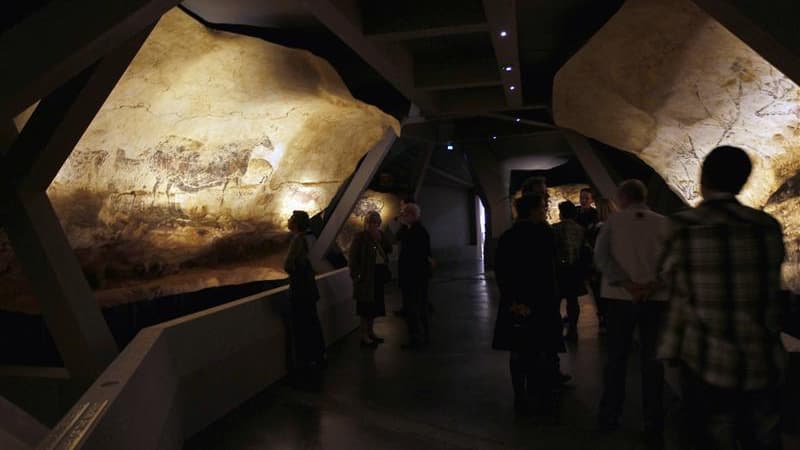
558,194
665,81
187,175
386,204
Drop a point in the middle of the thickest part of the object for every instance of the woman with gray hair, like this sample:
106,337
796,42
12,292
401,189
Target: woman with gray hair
369,271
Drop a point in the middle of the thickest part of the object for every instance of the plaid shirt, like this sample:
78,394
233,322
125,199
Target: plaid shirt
569,240
722,264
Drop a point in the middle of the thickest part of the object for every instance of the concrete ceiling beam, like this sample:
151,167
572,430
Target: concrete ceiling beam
429,32
392,61
70,311
466,74
61,118
502,18
63,39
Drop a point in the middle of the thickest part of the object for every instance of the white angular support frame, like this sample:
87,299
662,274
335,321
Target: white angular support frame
357,186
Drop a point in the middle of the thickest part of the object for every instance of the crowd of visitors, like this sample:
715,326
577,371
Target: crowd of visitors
698,290
701,288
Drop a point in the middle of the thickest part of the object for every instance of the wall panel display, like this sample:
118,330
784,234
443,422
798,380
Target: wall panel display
187,175
665,81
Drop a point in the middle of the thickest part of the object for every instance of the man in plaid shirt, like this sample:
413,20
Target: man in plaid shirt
722,266
570,239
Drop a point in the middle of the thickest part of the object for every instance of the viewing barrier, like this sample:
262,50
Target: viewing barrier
177,377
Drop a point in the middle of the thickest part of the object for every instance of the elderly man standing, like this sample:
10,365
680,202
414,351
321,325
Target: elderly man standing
627,253
723,264
414,273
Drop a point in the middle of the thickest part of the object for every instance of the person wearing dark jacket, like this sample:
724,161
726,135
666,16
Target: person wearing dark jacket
308,344
528,319
414,273
370,271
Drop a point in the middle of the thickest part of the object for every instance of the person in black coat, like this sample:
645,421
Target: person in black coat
307,341
528,319
414,269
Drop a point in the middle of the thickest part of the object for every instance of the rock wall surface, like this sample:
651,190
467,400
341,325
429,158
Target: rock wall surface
386,204
665,81
200,154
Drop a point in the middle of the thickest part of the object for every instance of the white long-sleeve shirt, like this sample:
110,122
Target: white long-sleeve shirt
629,247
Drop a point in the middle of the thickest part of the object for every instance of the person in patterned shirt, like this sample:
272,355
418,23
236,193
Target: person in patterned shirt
570,239
722,266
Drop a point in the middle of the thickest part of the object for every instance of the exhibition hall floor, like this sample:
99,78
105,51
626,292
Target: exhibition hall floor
452,394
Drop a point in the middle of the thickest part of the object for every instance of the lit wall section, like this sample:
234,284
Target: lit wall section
665,81
385,204
187,175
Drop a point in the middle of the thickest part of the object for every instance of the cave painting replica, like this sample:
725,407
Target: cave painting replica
665,81
187,175
385,203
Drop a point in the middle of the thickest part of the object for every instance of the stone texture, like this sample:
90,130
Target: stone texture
558,194
200,154
665,81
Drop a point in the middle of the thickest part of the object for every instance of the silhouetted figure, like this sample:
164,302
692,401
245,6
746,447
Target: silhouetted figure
535,185
369,271
528,319
723,263
414,274
605,207
587,215
391,230
570,241
538,185
308,344
627,253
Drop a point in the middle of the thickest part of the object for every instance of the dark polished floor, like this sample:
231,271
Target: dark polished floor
455,394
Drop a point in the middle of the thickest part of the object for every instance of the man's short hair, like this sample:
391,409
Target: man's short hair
301,220
534,184
527,203
567,210
589,190
412,208
726,169
633,190
372,216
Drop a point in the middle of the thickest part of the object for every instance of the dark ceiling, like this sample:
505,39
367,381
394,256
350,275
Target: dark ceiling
448,47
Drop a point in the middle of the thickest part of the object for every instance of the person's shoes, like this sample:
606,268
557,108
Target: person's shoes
368,344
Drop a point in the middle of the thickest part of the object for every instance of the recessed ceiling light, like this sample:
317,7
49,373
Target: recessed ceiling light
494,138
507,68
503,33
450,146
512,88
518,120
